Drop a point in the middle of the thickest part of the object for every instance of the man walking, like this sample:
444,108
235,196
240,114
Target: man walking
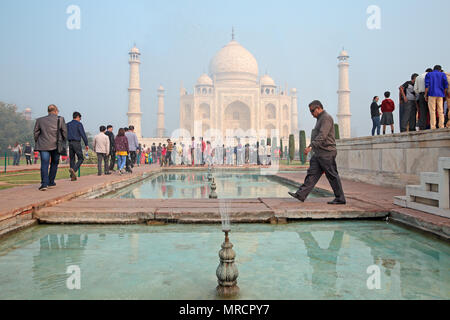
112,148
45,136
436,85
102,148
323,146
419,89
375,114
75,132
409,105
169,152
133,144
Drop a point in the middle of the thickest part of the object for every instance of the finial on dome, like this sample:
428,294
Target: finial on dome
232,33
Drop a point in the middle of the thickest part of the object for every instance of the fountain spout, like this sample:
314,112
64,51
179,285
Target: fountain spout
227,272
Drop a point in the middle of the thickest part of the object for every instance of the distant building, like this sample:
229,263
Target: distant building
27,113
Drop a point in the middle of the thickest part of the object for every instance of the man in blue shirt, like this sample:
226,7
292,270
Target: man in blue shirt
436,86
75,132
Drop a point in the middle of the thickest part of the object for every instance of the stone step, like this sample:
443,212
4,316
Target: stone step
418,191
444,164
401,201
429,177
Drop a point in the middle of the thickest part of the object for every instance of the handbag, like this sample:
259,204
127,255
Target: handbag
61,144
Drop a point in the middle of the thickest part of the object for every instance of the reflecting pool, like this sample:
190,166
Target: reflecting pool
195,185
309,260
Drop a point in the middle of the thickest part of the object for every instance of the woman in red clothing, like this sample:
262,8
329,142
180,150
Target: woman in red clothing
387,108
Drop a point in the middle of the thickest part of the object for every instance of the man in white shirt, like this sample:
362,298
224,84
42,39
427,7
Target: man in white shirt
419,89
101,147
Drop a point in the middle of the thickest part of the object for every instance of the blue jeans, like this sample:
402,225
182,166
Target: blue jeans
376,125
49,158
16,160
121,162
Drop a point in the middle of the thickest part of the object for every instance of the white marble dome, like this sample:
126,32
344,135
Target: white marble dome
233,61
266,80
204,80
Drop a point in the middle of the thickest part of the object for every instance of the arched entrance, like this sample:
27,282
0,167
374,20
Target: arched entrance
237,116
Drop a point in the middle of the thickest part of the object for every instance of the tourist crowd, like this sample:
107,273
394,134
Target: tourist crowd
423,104
125,150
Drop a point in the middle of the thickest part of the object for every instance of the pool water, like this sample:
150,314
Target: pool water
309,260
195,185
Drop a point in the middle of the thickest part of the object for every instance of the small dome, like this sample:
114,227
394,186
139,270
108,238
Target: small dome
27,110
343,54
293,90
135,50
266,80
204,80
161,88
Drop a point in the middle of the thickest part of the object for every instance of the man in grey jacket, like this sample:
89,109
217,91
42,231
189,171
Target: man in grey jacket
323,146
45,137
133,144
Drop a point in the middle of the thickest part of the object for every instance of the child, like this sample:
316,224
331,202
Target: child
387,108
36,156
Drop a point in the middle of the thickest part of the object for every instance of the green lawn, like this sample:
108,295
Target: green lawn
292,163
21,178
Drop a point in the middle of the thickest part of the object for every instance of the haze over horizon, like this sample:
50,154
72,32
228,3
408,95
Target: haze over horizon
297,43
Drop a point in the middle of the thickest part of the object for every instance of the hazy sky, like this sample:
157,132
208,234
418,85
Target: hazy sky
297,42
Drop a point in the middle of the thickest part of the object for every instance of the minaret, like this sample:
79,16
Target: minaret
344,115
160,129
294,113
27,113
134,92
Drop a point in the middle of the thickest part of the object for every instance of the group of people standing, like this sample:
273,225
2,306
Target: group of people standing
423,103
26,150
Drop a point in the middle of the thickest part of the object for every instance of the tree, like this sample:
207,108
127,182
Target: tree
291,147
281,149
302,146
13,127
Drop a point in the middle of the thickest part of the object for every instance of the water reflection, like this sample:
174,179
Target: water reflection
323,261
195,185
304,260
56,253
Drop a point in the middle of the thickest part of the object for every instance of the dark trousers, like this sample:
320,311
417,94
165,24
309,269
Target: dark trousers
75,149
424,111
318,166
169,158
128,163
49,158
409,116
28,157
102,157
132,158
112,160
376,125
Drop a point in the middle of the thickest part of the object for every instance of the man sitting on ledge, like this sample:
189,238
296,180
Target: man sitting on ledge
323,146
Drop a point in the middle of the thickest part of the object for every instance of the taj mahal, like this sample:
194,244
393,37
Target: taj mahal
233,100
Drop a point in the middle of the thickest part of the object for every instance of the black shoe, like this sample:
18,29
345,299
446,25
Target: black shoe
294,195
51,186
107,173
42,188
99,174
337,201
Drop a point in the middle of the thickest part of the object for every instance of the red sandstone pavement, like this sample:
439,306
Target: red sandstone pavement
27,198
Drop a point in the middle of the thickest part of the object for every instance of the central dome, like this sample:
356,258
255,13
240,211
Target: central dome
234,62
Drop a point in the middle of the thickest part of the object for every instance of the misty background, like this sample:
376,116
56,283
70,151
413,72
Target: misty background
296,42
